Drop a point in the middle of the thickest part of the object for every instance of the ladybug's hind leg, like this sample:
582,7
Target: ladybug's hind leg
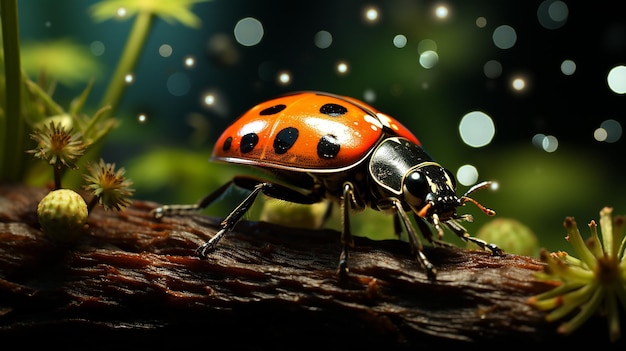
256,186
169,210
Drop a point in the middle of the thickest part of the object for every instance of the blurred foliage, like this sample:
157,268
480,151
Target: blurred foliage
168,10
176,175
27,105
67,61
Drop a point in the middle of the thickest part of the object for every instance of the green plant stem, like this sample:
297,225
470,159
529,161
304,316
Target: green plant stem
13,133
134,46
57,176
92,203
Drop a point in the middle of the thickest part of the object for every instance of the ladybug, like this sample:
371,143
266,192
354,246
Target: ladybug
326,147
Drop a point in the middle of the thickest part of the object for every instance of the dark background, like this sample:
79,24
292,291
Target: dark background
538,188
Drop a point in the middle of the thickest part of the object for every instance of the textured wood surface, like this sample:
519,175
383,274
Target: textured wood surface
135,281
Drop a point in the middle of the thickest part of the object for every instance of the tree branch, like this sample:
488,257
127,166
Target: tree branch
264,286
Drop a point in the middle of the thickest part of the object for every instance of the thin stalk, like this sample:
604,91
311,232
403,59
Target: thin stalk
13,133
134,46
57,176
92,203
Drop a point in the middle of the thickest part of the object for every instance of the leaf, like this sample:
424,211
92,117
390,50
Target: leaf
169,11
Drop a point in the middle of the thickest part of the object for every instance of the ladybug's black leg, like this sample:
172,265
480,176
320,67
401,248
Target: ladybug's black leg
431,272
463,234
414,241
269,189
328,212
168,210
425,228
229,222
397,225
255,186
350,201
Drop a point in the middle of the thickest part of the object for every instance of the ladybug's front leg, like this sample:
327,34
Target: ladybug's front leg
414,241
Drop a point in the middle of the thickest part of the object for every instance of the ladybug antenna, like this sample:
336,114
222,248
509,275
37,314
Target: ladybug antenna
486,184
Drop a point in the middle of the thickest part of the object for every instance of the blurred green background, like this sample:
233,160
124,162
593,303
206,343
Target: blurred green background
190,83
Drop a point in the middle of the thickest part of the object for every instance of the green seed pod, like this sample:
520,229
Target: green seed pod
293,215
510,235
62,215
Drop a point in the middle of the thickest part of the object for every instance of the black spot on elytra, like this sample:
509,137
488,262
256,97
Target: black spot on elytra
248,142
328,147
227,143
285,139
272,110
333,110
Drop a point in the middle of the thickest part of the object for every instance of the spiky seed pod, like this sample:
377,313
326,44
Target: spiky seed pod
58,145
109,187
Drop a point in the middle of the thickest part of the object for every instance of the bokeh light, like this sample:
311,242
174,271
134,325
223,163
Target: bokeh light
518,83
441,11
504,37
142,118
129,78
426,45
428,59
609,131
617,79
284,78
189,61
178,84
600,134
165,50
481,22
467,175
369,96
568,67
399,41
323,39
552,14
492,69
97,48
548,143
477,129
215,101
371,14
209,99
121,12
342,67
248,31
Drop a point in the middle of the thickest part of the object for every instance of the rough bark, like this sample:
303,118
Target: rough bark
135,281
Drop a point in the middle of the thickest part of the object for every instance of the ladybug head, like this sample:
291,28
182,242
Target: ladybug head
430,191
